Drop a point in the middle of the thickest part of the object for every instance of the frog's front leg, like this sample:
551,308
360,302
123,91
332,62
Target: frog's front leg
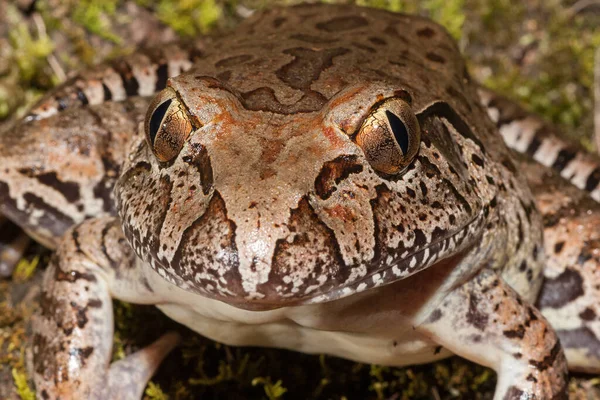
486,321
72,342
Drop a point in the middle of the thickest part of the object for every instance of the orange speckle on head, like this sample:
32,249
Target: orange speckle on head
340,212
332,136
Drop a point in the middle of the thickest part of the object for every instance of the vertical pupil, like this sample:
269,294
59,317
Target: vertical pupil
399,130
157,117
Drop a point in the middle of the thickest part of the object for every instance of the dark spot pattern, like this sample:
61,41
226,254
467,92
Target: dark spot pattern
580,338
106,92
477,160
533,146
208,248
561,290
593,180
558,247
549,360
334,172
129,81
514,393
233,61
82,98
435,58
588,314
426,32
517,333
564,157
316,243
313,39
70,190
444,110
200,160
340,24
435,316
307,65
162,74
264,99
51,218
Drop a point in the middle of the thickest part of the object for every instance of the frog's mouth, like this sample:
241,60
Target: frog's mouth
435,253
413,263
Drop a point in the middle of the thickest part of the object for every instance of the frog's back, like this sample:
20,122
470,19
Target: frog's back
290,60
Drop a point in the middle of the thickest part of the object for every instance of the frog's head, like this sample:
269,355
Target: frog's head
237,196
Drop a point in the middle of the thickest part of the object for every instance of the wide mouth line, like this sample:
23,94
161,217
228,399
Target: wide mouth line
335,293
406,259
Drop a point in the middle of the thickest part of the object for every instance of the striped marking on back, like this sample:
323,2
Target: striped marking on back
140,74
530,135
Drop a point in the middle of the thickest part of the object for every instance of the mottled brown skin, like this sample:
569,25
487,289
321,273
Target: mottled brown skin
294,213
569,296
60,171
572,274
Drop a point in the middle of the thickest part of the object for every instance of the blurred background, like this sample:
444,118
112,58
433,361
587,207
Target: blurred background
540,52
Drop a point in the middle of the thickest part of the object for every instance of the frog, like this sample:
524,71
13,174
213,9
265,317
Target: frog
326,179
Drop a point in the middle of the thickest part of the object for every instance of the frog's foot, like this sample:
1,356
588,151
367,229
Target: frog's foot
13,243
484,320
72,341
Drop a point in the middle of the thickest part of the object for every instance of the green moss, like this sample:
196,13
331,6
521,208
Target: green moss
25,269
449,13
25,55
551,71
232,368
154,392
7,103
189,17
273,391
23,389
390,5
29,52
96,17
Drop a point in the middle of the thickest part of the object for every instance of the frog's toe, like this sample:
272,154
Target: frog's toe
128,377
13,242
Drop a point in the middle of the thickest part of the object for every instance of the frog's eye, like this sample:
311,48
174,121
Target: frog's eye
390,136
167,125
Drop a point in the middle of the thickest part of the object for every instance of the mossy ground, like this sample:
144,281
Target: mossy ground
537,51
